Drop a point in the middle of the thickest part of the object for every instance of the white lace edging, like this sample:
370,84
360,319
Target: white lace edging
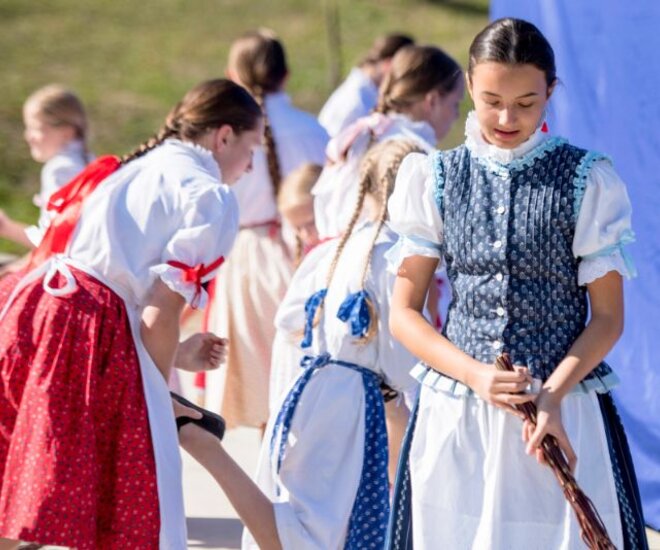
406,247
591,269
480,148
172,277
438,382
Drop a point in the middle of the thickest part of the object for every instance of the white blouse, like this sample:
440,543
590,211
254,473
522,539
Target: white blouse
168,205
322,464
354,98
602,229
335,193
299,139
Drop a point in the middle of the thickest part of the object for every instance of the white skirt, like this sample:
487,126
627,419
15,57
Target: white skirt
474,487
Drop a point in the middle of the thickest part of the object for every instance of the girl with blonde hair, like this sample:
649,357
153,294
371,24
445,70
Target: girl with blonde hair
56,131
322,479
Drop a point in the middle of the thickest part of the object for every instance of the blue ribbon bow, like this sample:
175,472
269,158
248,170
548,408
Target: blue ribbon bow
355,310
311,305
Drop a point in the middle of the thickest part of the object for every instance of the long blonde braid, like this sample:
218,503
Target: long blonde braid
381,176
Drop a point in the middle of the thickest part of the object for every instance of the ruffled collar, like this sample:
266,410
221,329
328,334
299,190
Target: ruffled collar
480,148
205,156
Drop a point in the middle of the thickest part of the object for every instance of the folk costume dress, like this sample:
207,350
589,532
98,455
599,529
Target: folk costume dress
335,195
355,98
521,231
89,453
323,462
252,283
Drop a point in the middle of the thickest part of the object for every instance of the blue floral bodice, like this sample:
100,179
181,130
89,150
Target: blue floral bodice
507,243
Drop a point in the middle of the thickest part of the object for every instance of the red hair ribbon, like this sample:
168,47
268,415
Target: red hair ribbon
67,204
195,274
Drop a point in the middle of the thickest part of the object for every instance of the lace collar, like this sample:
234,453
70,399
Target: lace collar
202,154
480,148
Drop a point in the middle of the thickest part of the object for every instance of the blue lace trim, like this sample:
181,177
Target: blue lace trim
439,177
526,161
580,182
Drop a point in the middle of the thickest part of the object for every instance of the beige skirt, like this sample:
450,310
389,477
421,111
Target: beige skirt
249,288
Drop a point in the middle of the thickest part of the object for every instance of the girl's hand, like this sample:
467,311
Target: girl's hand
548,422
502,389
201,352
197,441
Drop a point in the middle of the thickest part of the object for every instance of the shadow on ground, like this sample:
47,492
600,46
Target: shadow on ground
214,532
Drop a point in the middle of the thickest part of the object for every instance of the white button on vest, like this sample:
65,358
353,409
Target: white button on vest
499,276
497,244
497,344
500,311
501,209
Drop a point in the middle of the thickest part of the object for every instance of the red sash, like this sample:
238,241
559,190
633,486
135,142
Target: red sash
67,204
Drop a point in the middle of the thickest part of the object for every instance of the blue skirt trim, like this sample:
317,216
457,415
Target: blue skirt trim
627,490
399,529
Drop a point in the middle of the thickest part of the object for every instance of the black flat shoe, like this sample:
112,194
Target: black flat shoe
211,422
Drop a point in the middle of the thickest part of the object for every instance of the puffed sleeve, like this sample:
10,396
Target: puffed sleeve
196,250
413,212
603,226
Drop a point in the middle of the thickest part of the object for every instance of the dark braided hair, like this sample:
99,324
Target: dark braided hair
207,106
259,61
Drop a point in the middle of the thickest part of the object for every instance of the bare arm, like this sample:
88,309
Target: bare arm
13,230
160,325
410,327
589,349
253,507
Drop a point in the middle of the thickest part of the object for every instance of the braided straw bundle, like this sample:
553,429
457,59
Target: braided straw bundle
593,531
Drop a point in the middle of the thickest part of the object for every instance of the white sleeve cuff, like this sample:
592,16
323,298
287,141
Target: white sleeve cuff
173,278
407,246
595,267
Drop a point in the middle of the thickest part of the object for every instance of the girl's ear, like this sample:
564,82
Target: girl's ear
551,89
468,84
222,136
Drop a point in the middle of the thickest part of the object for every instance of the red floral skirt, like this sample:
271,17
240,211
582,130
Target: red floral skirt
76,461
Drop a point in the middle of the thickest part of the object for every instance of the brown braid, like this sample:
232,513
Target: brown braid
258,61
208,106
365,181
154,141
274,170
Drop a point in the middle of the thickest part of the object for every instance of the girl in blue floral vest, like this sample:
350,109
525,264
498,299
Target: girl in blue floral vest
532,230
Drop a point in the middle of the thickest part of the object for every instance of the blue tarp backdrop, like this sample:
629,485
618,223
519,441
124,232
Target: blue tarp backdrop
608,62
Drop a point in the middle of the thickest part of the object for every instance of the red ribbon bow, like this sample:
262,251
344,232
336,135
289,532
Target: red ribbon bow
67,203
195,274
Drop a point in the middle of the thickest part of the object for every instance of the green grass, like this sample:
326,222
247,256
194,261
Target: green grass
131,60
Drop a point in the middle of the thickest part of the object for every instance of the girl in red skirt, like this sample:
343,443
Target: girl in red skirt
88,447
